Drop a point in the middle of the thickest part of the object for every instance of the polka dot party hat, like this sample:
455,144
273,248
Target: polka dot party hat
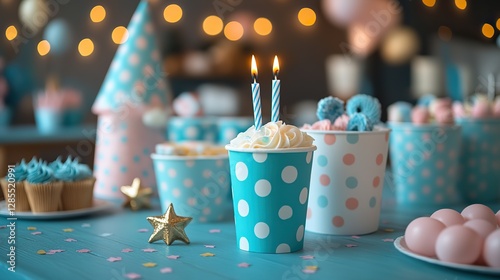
136,77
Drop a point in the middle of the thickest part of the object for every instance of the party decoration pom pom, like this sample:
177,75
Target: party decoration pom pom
330,108
359,122
366,105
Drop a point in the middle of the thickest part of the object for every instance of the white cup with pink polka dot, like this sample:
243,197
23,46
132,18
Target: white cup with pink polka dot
346,181
198,186
270,189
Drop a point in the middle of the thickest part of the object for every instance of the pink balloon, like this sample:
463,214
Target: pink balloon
344,12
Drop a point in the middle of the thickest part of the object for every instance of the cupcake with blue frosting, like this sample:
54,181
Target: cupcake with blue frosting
13,185
78,184
42,189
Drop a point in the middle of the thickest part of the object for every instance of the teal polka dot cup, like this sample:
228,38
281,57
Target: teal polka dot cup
229,127
424,161
480,160
346,181
270,191
198,186
192,129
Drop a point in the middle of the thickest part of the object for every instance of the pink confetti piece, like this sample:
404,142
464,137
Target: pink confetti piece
243,264
309,271
149,250
351,245
127,250
215,230
133,275
143,230
36,233
114,259
209,246
307,257
173,257
85,225
52,252
83,251
70,240
106,234
388,240
3,226
355,237
166,270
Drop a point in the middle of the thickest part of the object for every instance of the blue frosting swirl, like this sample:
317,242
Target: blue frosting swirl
20,171
40,174
359,122
33,164
364,104
330,108
71,171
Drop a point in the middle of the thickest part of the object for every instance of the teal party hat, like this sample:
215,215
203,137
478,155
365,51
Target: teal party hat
136,78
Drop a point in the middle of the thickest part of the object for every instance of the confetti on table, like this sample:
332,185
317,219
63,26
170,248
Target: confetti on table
209,246
215,230
142,230
41,252
149,264
207,254
31,228
307,257
149,250
127,250
68,229
355,237
51,252
114,259
388,240
70,240
243,264
3,226
85,225
351,245
133,275
106,234
388,230
83,251
310,269
166,270
173,257
36,233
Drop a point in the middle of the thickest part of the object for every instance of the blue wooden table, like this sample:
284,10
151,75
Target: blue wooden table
92,244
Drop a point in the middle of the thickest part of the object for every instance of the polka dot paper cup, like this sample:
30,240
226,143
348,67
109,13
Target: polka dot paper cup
424,161
192,129
198,186
346,182
270,190
480,160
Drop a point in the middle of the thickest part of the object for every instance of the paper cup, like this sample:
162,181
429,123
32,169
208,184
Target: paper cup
424,161
198,186
480,160
270,190
229,127
48,120
346,182
192,129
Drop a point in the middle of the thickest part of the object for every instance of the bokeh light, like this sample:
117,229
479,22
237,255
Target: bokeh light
307,16
172,13
43,47
461,4
234,31
86,47
119,35
213,25
262,26
97,14
11,33
498,24
429,3
488,30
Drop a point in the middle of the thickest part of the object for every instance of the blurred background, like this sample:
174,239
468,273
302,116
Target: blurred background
391,49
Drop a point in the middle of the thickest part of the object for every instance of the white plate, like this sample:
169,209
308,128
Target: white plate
400,244
98,206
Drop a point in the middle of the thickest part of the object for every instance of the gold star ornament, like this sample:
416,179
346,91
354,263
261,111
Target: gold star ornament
169,227
137,197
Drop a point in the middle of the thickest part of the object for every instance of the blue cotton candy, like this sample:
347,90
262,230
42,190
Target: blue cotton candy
330,108
359,122
364,104
426,100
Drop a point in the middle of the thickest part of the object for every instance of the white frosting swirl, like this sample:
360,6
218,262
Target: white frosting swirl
273,135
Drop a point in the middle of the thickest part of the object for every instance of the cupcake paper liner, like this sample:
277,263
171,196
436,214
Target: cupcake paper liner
44,197
22,203
77,195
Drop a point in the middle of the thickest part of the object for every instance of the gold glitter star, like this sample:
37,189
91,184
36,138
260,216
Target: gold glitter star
149,264
169,227
137,197
207,254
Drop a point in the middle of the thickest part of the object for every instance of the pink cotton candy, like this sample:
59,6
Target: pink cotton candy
439,104
321,125
444,116
459,110
496,108
341,122
481,109
420,115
